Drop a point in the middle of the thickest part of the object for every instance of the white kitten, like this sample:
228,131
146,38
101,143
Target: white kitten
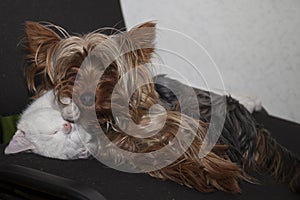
42,130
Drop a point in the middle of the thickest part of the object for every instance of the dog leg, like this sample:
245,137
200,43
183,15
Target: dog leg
277,160
212,172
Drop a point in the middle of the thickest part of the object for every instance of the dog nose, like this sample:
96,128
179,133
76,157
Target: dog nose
87,99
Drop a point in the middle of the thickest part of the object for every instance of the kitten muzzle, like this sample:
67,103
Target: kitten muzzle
67,127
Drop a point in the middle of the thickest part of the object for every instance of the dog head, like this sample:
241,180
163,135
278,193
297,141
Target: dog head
88,67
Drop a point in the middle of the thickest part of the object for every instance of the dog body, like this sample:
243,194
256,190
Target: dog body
110,77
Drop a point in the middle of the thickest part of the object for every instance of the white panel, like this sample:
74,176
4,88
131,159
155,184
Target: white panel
255,44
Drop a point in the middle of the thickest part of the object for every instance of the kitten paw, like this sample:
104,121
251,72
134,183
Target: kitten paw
66,100
83,153
71,112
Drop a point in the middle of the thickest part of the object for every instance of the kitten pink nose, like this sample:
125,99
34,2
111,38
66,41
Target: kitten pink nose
67,127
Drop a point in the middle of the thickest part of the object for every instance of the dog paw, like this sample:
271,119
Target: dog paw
251,103
71,112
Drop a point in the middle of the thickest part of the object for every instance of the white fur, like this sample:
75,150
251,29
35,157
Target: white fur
251,103
44,132
71,112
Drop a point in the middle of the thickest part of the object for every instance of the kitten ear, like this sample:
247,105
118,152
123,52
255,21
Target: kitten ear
143,38
40,42
18,144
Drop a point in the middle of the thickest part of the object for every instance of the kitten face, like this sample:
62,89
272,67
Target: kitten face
44,132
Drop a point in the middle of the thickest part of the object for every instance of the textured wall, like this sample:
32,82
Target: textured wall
255,44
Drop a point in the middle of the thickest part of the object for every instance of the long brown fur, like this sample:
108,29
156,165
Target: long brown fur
56,60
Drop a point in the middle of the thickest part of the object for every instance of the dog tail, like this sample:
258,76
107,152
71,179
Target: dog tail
277,160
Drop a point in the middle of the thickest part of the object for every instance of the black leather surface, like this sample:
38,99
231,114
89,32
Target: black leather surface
113,184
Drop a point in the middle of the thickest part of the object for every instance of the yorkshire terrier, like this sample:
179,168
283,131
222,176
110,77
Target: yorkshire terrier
67,64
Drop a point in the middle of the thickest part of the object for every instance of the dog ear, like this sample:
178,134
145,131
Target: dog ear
39,38
40,43
143,40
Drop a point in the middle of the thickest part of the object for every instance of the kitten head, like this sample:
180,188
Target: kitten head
44,132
